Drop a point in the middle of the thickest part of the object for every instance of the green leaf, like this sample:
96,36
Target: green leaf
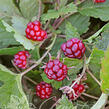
57,84
78,21
100,104
19,24
56,48
84,105
12,95
51,14
97,10
29,8
104,74
20,38
54,83
11,51
78,63
104,28
94,66
62,3
8,7
71,31
64,103
6,38
103,41
35,53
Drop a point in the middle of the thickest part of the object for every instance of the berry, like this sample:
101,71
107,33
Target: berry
56,70
73,48
43,90
99,1
34,32
81,88
78,89
20,59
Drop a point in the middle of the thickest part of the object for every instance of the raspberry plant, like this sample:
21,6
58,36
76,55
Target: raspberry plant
54,54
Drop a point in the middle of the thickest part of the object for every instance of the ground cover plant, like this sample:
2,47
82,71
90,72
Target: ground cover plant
54,54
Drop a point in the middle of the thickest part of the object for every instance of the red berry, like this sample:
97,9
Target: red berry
78,89
81,88
56,70
43,90
99,1
34,32
76,86
20,59
73,48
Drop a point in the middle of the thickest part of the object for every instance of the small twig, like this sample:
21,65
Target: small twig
62,36
82,74
46,26
55,104
29,79
40,7
88,48
15,67
90,96
62,19
89,72
46,101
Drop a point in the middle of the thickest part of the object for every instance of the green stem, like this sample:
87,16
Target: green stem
100,104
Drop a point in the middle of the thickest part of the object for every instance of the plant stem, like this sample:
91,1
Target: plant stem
82,74
46,101
89,72
90,96
16,67
62,19
39,12
100,104
29,79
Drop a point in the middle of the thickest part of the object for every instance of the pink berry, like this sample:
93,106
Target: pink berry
56,70
43,90
20,59
34,32
73,48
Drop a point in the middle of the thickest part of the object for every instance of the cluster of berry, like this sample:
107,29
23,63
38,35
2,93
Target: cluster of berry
20,59
54,69
43,90
78,89
34,32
